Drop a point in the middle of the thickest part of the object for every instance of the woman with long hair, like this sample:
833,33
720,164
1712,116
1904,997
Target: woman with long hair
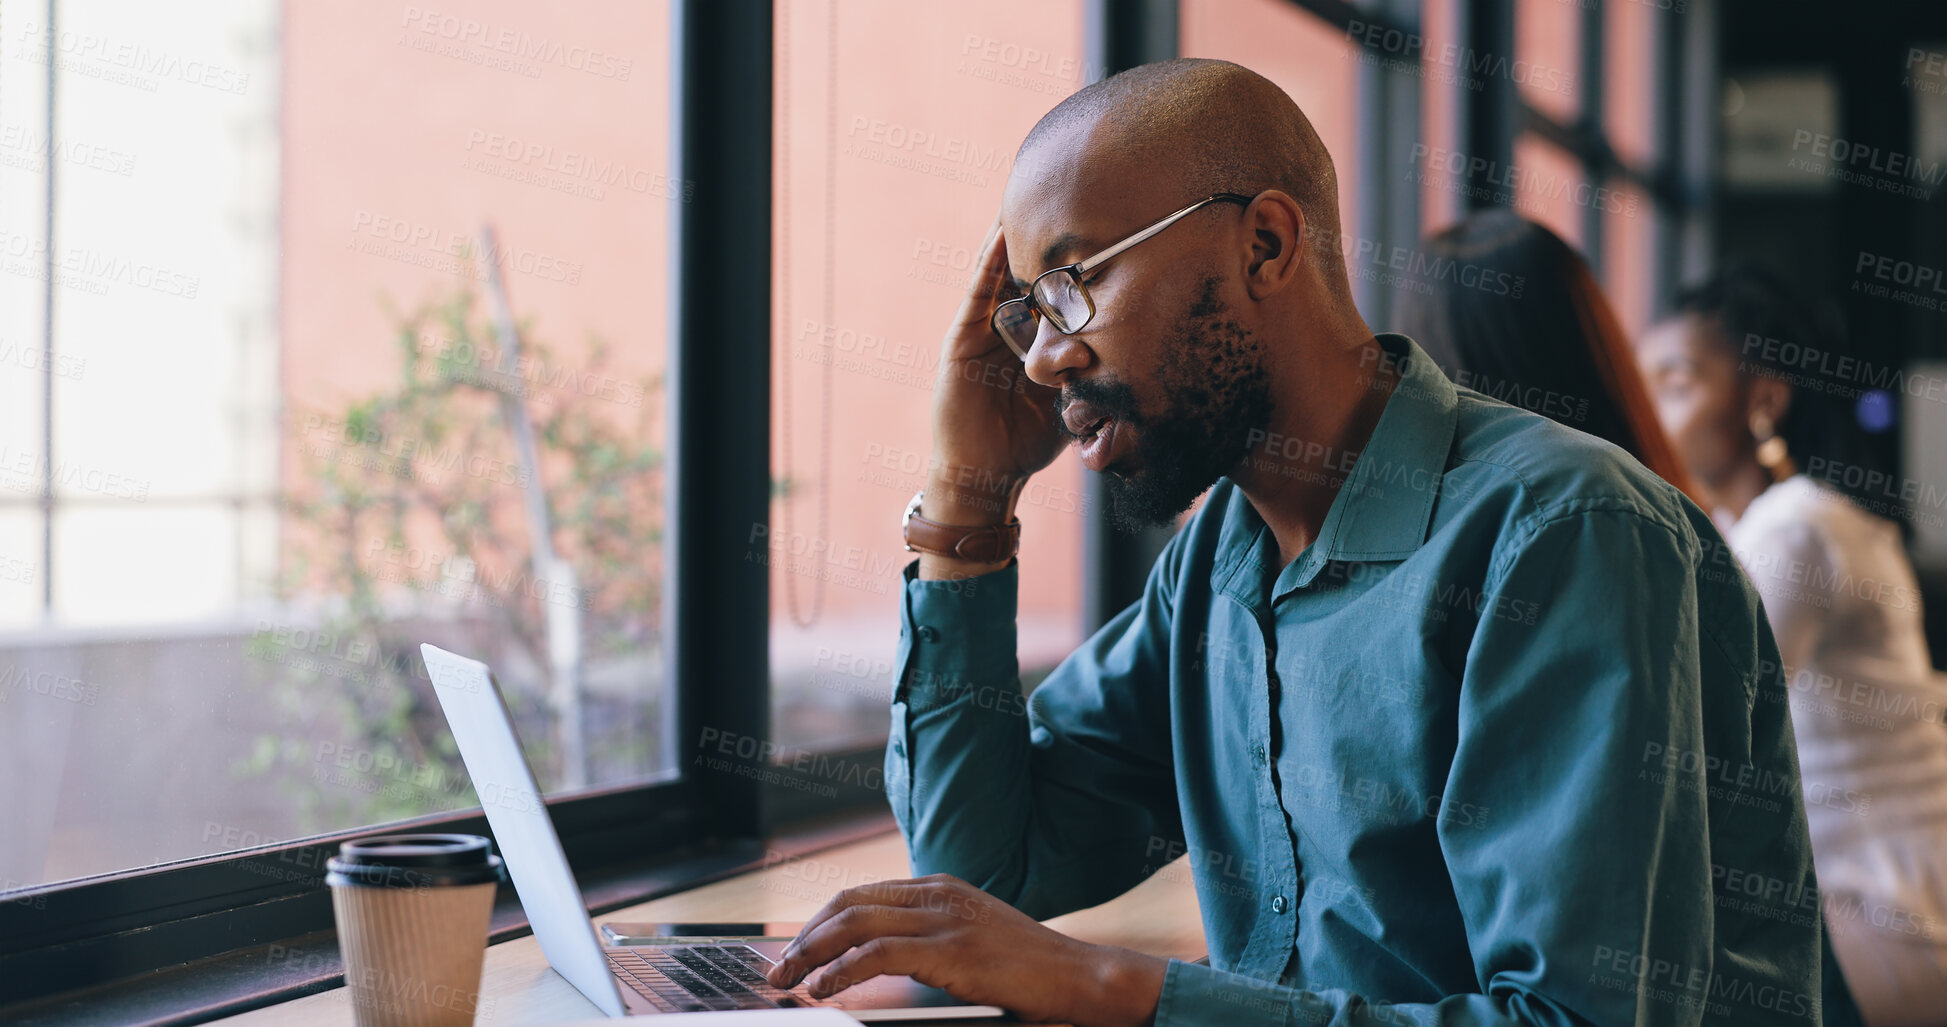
1514,312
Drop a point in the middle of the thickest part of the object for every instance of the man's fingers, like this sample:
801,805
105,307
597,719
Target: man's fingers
850,927
989,282
881,893
987,242
880,957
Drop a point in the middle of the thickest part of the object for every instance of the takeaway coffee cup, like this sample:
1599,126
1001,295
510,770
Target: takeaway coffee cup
412,913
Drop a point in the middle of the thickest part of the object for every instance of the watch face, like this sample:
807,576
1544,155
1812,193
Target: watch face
906,522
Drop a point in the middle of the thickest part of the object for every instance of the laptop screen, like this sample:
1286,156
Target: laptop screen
528,844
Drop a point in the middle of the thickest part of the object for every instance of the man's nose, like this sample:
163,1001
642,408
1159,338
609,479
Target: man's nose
1054,354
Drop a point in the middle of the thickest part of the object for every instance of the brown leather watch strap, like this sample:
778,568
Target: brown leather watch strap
986,544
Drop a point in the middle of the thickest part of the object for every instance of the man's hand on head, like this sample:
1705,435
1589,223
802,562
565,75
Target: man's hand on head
993,427
946,933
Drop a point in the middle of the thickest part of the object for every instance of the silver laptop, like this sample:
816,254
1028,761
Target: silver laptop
722,974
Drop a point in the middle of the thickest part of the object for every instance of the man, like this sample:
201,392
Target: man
1450,714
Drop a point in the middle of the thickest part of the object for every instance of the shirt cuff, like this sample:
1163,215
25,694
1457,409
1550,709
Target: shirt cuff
955,636
1195,994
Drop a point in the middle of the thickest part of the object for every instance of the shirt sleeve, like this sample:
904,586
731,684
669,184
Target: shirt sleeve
1576,818
1053,802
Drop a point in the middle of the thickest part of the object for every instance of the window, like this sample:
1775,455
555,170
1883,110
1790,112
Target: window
888,173
281,432
1585,167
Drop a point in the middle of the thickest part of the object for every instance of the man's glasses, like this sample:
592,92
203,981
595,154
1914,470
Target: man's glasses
1059,295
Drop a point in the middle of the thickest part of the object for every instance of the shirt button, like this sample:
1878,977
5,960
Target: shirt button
1257,754
1277,904
928,634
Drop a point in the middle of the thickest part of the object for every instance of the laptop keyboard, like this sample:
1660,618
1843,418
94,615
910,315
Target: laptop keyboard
696,978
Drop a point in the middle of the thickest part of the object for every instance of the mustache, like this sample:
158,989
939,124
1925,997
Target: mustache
1111,398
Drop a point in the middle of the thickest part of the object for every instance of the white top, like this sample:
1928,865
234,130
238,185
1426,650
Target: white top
1867,707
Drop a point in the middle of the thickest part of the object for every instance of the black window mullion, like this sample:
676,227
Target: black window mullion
1490,107
716,545
1594,168
1684,61
1389,127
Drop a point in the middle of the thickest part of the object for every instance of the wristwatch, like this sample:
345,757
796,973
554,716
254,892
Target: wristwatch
987,544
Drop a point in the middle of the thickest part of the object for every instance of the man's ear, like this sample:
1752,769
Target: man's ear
1277,228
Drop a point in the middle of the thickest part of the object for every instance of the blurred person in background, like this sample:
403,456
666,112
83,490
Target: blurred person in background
1844,604
1543,338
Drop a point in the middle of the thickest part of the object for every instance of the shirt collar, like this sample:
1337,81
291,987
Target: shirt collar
1383,510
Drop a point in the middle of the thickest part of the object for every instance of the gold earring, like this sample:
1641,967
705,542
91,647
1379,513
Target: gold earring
1772,451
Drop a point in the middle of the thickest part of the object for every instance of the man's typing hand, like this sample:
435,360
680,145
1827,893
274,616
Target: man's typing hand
944,932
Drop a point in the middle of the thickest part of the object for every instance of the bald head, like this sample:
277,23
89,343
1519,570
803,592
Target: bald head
1195,127
1231,320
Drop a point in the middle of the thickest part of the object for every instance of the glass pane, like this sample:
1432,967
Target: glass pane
889,172
1629,41
1628,255
282,446
1441,95
20,565
1547,184
1547,57
1314,63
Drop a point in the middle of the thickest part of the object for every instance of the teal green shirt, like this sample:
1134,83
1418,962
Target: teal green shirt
1507,743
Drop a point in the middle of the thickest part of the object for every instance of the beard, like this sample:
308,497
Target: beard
1212,379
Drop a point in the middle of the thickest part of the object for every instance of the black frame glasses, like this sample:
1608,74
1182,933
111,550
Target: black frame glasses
1059,295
